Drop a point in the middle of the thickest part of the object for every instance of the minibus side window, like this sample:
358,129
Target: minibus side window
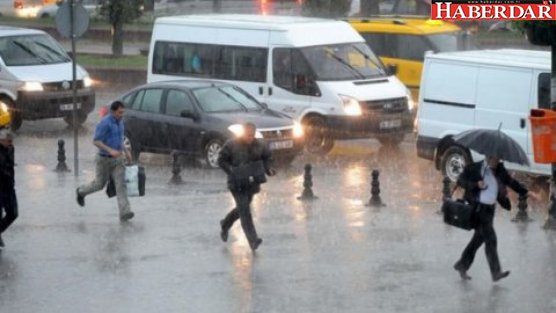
543,90
412,47
381,44
292,72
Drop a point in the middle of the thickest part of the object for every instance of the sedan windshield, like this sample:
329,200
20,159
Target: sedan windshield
31,50
343,62
225,99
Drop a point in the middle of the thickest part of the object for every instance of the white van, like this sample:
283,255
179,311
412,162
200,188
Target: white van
480,89
36,78
320,72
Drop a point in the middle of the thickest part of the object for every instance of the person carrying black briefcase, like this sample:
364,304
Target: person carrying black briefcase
247,161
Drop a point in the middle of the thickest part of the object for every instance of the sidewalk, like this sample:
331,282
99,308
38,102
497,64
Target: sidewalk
331,255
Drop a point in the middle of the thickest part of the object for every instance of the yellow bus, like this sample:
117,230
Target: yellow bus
401,42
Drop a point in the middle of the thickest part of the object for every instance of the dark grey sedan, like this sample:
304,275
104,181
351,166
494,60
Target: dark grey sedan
197,117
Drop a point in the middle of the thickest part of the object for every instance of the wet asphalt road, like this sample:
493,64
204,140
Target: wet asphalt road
331,255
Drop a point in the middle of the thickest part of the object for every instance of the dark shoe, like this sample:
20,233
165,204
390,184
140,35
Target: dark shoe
2,245
127,216
256,244
223,232
462,272
498,276
80,198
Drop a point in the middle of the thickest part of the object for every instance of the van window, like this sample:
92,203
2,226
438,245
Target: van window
339,62
544,91
31,50
215,61
176,102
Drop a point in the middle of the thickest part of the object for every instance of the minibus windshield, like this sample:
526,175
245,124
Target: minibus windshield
351,61
31,50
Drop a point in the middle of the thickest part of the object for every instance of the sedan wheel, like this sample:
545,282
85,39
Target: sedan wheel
212,152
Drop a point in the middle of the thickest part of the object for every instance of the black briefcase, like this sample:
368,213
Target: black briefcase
460,214
249,173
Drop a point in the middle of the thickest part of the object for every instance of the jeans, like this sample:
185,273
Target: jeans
242,211
106,167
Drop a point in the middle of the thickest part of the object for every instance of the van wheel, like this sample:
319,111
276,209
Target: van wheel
454,159
212,152
81,118
393,140
318,140
15,115
133,147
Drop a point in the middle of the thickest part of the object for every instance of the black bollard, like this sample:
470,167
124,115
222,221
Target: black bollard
375,200
62,166
446,193
307,194
522,215
176,169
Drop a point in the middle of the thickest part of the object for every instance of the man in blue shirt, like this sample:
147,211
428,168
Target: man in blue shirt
109,138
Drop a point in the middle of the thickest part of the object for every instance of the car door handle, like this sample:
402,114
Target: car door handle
270,91
261,90
522,123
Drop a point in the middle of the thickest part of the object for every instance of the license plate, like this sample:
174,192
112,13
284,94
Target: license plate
284,144
390,124
69,107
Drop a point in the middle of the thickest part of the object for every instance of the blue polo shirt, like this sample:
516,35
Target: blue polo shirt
110,131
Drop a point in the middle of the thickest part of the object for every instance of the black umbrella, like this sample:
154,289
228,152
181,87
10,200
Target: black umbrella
493,142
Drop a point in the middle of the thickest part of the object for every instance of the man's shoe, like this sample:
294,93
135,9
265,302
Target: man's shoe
462,272
223,232
498,276
80,198
2,245
256,244
127,216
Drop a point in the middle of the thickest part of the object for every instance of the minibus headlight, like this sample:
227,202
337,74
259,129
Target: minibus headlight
238,130
3,107
351,106
410,103
297,130
87,82
32,86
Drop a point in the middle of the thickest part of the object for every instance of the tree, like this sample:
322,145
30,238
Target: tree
119,12
326,8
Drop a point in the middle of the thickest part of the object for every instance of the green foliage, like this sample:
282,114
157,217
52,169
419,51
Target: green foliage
121,11
326,8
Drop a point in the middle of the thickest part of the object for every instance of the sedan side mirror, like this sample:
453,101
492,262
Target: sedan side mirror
189,114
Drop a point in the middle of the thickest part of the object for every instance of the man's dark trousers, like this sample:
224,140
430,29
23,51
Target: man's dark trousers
242,211
8,204
484,233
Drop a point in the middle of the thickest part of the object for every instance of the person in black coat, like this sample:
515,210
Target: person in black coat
236,152
485,184
8,199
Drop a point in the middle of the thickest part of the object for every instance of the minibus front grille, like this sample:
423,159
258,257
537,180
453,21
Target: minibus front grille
277,134
394,105
61,86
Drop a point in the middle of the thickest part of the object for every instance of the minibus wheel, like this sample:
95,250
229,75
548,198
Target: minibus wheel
454,159
393,140
318,140
81,118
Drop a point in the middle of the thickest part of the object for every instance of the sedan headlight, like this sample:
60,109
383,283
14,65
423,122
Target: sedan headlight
87,82
32,86
238,130
351,106
297,130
